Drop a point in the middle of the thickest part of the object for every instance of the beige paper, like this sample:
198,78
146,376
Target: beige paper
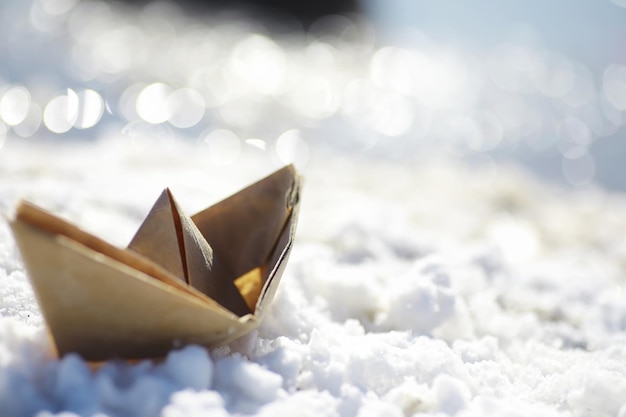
205,279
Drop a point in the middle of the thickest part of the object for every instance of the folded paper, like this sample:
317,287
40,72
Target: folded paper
205,279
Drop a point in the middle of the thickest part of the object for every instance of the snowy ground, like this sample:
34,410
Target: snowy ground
435,290
428,277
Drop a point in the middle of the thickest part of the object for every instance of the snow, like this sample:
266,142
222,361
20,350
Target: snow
386,308
428,277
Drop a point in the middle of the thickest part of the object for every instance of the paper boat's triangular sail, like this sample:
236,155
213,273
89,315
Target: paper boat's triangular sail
244,229
158,238
169,238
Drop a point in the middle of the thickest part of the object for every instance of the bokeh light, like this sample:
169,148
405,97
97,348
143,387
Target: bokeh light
314,97
152,103
30,125
14,105
291,148
224,147
186,107
128,101
56,7
61,113
557,78
90,109
260,63
152,65
257,143
614,86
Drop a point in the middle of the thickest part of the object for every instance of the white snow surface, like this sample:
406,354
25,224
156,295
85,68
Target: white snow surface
412,290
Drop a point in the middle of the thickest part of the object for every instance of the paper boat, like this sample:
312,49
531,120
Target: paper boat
205,279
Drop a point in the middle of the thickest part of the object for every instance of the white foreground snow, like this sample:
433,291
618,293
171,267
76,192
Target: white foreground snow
426,290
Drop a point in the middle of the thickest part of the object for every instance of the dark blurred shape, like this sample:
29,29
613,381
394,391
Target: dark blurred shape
306,11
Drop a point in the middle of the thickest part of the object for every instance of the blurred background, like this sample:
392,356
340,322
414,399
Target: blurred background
540,85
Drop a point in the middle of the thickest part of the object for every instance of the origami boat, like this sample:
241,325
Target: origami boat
205,279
